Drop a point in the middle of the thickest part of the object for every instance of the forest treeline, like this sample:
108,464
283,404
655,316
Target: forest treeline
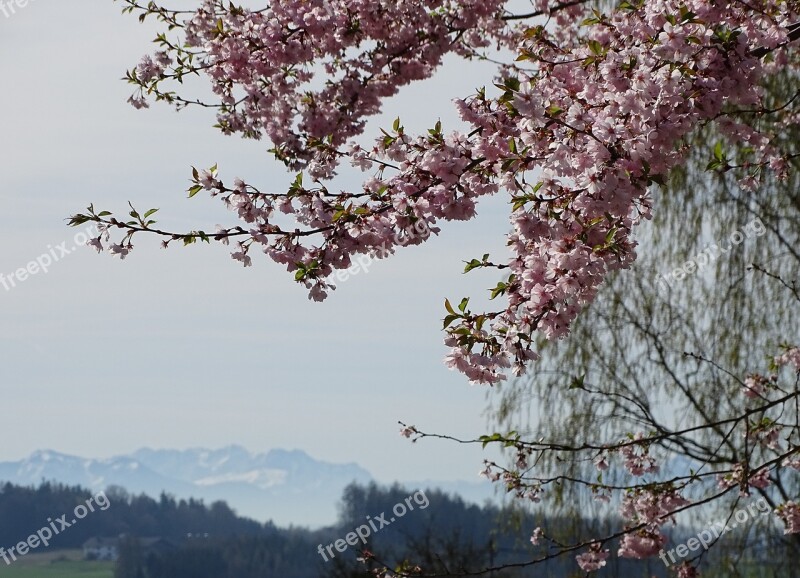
441,532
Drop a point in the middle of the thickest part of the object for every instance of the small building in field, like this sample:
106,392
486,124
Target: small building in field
101,549
108,548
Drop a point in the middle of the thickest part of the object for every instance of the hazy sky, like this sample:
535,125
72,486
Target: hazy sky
185,348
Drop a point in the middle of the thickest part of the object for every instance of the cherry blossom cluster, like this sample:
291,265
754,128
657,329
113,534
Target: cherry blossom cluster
686,570
789,358
603,120
514,480
759,479
766,432
594,559
789,512
637,458
307,74
591,113
653,509
756,386
647,509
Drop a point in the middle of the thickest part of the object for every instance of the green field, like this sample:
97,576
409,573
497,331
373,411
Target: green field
56,564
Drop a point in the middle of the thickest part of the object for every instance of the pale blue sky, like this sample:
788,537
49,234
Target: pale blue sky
184,348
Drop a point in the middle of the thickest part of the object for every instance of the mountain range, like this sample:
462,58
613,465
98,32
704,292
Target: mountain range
288,487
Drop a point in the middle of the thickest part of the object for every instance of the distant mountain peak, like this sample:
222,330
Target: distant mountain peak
286,486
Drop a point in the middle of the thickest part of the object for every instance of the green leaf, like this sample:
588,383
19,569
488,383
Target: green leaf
76,220
500,289
463,305
449,307
194,190
512,83
577,383
150,212
718,152
495,437
474,264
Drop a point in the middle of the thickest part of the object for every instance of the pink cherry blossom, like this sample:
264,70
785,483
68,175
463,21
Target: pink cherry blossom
759,479
592,560
651,507
686,570
790,357
119,250
601,462
792,462
637,459
96,243
755,386
641,544
789,512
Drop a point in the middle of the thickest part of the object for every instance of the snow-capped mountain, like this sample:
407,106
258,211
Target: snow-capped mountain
287,487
